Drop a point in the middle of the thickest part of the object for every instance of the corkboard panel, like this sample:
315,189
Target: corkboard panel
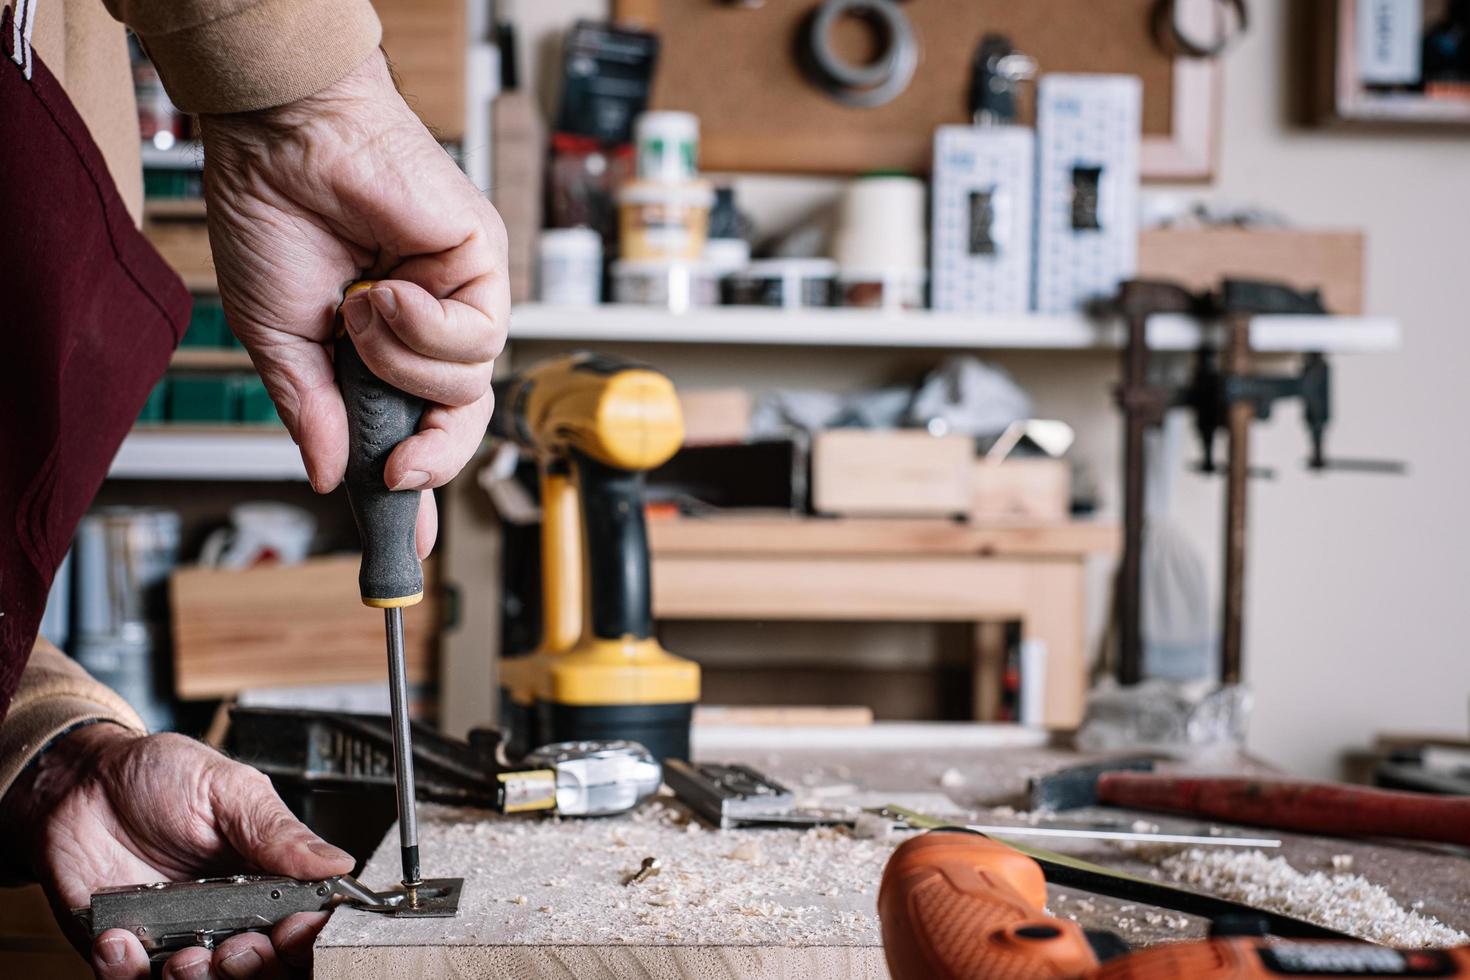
736,68
426,41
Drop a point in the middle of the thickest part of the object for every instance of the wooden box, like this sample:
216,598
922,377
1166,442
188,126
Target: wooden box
277,625
1021,491
426,43
183,241
1331,261
715,416
897,473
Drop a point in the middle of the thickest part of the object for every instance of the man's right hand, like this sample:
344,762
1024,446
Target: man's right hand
347,184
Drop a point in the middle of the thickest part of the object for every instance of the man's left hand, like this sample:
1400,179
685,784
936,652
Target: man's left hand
105,807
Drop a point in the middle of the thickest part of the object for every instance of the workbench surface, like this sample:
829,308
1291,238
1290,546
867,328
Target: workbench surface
545,898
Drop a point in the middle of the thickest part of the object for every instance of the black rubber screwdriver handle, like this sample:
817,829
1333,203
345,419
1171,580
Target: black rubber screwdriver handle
379,417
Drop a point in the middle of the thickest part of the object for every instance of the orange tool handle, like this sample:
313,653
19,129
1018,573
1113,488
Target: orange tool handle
956,905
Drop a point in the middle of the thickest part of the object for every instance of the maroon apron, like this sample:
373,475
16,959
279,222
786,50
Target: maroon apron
89,315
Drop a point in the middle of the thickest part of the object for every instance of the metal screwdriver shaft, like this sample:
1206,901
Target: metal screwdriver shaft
408,825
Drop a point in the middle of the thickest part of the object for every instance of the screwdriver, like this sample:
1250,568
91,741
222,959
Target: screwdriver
379,417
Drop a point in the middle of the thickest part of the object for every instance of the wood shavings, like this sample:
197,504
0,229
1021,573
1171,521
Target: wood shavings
1348,903
870,826
544,882
747,850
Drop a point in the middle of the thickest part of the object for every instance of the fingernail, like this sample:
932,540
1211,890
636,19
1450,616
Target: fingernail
197,970
112,951
324,850
385,301
358,313
289,936
412,480
242,964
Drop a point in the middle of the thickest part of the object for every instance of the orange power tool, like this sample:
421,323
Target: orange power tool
956,905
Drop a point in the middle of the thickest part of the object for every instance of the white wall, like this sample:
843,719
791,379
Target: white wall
1358,619
1358,613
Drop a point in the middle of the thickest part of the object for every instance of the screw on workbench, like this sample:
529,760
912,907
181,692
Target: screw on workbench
647,870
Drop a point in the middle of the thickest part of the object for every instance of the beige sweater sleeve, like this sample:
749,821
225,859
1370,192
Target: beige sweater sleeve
55,694
243,55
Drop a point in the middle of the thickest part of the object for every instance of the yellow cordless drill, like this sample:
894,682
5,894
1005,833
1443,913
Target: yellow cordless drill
595,424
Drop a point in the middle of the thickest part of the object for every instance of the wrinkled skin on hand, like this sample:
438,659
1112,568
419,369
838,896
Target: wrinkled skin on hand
105,807
348,184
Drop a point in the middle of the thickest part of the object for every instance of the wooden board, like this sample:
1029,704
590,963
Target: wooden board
544,899
1331,261
1021,491
892,472
733,65
276,626
734,536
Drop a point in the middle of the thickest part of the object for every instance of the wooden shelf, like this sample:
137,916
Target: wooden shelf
173,208
224,452
613,323
735,534
211,359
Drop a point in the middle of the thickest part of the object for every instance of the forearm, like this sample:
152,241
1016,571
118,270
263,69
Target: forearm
218,56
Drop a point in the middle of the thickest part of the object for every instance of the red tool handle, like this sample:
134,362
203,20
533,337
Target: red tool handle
1322,808
960,906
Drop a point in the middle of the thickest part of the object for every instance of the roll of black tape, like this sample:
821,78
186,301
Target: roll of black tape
863,86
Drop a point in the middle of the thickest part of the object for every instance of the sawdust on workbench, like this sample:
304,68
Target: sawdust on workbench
535,881
1348,903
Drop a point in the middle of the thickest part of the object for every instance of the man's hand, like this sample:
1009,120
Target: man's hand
348,184
105,807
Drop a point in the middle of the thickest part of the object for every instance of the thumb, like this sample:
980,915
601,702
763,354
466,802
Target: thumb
266,834
302,382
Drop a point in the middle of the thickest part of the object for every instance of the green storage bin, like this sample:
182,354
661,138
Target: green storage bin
155,409
168,182
256,407
203,398
207,326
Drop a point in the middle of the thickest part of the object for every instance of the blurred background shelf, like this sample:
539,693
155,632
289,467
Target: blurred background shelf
211,359
184,155
173,207
924,329
225,452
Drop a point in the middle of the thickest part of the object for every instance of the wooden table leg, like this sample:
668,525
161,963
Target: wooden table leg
989,658
1054,615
